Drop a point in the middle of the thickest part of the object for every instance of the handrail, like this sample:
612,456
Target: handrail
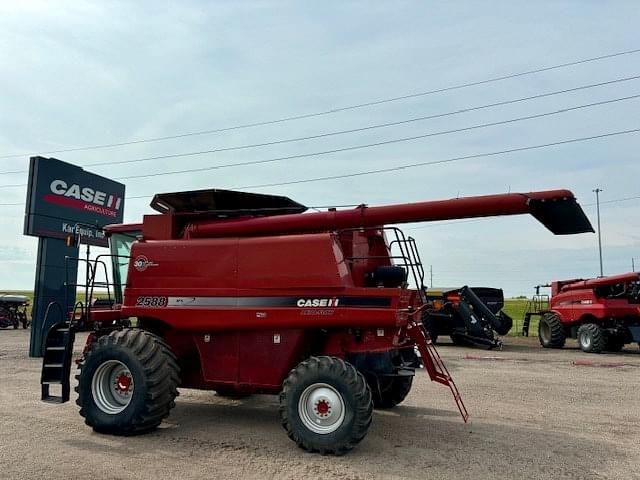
93,267
408,253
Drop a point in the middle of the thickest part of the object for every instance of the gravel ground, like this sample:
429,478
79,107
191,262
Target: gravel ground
536,414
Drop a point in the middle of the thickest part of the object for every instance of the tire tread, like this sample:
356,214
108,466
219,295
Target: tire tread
357,385
161,379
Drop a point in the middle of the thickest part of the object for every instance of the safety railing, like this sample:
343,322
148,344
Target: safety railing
93,285
403,253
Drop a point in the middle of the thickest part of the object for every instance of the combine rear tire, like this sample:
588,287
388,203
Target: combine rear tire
326,405
591,338
392,391
551,331
127,382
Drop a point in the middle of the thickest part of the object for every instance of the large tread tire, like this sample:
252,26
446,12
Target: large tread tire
551,332
354,392
591,338
155,375
391,391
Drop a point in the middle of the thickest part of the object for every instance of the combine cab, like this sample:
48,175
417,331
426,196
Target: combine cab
244,293
602,313
468,316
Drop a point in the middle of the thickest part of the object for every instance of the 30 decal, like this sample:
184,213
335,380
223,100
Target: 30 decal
151,302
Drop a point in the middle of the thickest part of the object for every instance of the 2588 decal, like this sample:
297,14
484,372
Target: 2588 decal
151,302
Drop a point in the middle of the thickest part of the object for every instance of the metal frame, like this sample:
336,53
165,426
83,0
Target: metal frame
409,254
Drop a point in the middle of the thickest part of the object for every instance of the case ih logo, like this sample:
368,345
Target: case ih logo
318,302
141,263
83,198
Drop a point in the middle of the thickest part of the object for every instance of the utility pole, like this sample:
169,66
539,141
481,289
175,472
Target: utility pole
633,265
431,276
597,192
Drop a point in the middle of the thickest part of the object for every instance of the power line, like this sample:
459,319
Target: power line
330,111
368,127
617,200
353,130
447,160
421,164
357,147
433,162
367,145
376,144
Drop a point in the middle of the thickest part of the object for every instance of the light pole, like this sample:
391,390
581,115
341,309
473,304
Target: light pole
597,192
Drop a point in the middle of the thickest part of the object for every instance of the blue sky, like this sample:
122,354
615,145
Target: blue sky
84,73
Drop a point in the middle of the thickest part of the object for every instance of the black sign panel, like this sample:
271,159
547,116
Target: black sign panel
63,198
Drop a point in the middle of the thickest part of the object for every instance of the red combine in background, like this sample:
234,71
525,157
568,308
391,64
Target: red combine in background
244,293
602,313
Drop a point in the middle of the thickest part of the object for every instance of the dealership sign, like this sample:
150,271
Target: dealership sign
64,199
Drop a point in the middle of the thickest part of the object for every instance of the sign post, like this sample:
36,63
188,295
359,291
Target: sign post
63,200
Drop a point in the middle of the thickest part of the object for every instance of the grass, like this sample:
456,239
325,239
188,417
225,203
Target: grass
515,308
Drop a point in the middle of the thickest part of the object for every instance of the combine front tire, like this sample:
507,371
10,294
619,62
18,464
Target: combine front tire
591,338
551,331
127,383
391,391
326,405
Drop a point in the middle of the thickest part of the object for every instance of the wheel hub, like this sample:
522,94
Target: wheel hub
585,340
123,383
545,332
112,387
321,408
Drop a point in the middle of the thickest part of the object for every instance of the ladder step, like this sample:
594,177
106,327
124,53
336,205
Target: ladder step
51,382
52,365
55,349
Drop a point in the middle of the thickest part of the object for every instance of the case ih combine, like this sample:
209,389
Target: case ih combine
244,293
602,313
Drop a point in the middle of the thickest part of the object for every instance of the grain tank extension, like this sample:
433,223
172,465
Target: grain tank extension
245,293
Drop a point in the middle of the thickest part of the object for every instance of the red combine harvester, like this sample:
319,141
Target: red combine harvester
244,293
602,313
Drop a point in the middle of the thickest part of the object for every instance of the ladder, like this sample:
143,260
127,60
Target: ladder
435,366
